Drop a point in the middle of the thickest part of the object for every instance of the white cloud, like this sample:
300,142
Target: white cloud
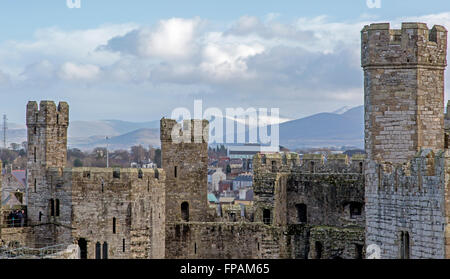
305,66
71,71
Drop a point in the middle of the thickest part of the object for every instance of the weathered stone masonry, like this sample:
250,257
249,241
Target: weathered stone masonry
407,165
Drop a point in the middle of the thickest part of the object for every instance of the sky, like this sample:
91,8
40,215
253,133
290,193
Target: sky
139,60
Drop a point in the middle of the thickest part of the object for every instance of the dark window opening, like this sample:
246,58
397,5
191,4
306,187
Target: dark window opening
156,174
302,213
35,155
52,207
87,174
123,245
116,174
266,217
57,208
57,119
355,209
114,225
404,245
233,217
185,211
319,250
40,216
35,130
103,186
359,251
312,167
129,214
274,166
195,248
82,243
140,174
175,172
35,185
264,159
105,250
361,167
98,251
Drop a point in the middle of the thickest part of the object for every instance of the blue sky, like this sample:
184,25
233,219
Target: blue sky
138,60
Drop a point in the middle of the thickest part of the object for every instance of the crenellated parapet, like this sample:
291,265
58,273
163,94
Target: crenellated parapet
308,163
413,44
188,131
423,173
47,113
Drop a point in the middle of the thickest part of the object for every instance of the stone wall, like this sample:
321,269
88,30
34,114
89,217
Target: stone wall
408,198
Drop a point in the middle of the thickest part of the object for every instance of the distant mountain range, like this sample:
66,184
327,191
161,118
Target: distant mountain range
344,127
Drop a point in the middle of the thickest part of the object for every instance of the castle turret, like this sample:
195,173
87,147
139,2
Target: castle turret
185,160
47,148
404,89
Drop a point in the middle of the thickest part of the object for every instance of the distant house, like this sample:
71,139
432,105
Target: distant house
243,181
13,188
226,200
216,177
225,185
212,199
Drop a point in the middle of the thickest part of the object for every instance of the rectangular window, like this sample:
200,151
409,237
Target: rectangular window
175,172
123,245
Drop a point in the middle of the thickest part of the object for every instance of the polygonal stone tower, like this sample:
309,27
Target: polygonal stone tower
404,89
184,149
47,148
407,204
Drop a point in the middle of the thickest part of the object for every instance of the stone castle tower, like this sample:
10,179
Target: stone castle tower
185,161
405,140
47,148
404,90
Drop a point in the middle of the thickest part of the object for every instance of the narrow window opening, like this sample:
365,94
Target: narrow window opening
114,225
312,167
361,167
40,216
302,214
185,211
266,217
82,243
319,250
35,155
35,185
52,207
175,172
140,174
98,251
404,245
359,251
105,250
123,245
195,248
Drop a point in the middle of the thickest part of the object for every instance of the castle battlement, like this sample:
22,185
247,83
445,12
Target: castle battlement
423,173
189,131
47,113
308,163
414,44
119,176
